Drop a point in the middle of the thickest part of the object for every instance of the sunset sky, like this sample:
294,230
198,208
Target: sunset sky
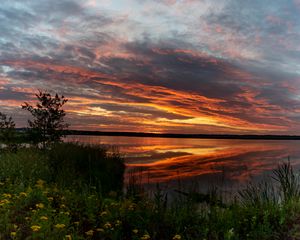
185,66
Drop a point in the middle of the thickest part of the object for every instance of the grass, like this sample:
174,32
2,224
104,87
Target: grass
93,165
67,165
74,191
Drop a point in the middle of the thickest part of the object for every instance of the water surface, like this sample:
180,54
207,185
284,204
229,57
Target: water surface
199,163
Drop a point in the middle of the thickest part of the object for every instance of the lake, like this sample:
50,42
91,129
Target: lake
199,163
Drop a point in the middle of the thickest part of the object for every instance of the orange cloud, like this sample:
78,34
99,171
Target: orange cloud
194,110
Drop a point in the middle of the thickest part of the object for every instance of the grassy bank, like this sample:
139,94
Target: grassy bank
75,192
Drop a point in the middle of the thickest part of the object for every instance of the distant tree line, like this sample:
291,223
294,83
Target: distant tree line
47,124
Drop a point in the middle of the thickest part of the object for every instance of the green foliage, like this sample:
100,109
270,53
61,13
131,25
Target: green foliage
51,195
25,166
66,165
94,165
48,118
7,129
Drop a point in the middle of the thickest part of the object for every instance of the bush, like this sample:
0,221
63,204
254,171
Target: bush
93,165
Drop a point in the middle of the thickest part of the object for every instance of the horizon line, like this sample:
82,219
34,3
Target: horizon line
182,135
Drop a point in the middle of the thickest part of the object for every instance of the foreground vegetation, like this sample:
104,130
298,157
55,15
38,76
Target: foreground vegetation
74,191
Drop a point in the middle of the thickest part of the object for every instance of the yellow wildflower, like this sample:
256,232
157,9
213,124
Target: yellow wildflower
89,233
104,213
40,205
6,195
145,237
13,234
176,237
135,231
35,228
4,201
40,183
23,194
132,206
68,237
44,218
118,223
107,225
113,204
59,225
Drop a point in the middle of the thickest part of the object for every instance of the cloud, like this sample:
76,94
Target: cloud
161,68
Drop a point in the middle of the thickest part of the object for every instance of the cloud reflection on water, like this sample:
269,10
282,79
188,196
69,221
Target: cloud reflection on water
207,161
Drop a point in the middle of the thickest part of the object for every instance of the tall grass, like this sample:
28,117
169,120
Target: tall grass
259,195
285,188
25,166
289,184
93,165
67,165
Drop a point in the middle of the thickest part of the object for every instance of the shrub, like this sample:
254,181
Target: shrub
94,165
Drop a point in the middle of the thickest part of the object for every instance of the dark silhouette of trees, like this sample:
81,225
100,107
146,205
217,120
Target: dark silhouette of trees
48,123
7,128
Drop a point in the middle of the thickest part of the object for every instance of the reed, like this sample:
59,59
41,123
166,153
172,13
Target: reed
288,180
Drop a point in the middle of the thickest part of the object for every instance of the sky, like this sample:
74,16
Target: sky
165,66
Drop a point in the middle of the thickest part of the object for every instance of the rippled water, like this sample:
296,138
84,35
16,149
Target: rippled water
199,162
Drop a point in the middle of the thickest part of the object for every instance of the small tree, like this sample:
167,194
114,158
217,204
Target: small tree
48,118
7,128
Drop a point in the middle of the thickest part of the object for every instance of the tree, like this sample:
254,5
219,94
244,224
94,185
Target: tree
7,128
48,118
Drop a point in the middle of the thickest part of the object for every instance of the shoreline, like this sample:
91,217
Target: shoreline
172,135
